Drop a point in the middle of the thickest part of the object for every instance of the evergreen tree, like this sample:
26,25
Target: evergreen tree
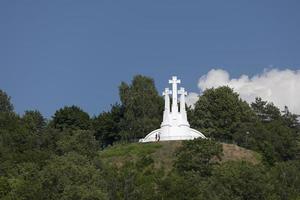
265,111
276,136
291,119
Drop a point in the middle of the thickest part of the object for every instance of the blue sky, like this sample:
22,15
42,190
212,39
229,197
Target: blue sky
56,53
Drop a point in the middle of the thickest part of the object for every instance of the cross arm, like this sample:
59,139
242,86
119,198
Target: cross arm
167,91
182,91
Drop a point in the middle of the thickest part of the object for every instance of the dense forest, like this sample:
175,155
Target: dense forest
62,157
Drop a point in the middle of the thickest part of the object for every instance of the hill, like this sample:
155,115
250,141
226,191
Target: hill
163,153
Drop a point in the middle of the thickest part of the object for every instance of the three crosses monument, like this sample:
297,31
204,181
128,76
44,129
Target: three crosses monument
175,125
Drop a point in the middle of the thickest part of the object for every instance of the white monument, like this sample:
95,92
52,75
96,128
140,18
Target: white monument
175,125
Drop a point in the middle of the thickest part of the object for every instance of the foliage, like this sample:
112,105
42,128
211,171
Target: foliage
177,187
143,107
265,111
107,125
198,155
291,120
134,180
5,104
138,113
71,176
71,118
79,141
220,112
34,120
276,136
285,178
237,180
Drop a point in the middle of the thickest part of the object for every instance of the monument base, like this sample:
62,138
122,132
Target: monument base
160,135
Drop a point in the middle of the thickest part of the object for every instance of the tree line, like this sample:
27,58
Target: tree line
60,158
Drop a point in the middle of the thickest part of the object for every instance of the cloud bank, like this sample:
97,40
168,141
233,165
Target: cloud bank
282,87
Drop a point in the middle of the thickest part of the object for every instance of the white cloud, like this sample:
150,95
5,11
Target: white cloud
282,87
191,99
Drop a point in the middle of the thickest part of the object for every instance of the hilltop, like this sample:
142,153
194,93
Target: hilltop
163,153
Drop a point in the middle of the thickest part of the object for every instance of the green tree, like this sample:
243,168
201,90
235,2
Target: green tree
265,111
143,107
237,181
198,155
72,176
134,180
107,125
285,177
71,118
276,136
291,120
5,104
178,187
23,183
79,141
284,141
219,113
34,120
15,140
4,187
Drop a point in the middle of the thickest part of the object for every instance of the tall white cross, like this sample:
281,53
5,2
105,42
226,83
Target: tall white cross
167,99
183,93
174,82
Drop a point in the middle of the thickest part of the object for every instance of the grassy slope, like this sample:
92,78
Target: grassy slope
163,153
